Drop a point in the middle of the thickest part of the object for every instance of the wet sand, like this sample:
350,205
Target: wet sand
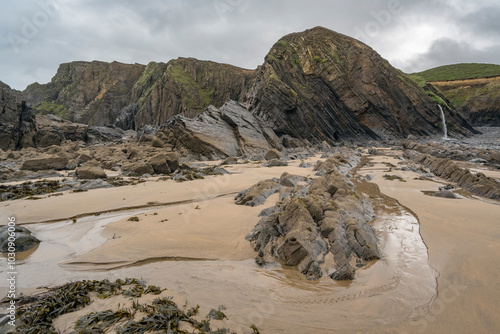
196,248
463,238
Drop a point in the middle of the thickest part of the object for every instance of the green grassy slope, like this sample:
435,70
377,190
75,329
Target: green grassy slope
460,72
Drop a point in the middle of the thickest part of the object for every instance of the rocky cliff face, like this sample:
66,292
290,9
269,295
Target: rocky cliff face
319,84
315,86
130,96
15,118
478,100
186,86
86,92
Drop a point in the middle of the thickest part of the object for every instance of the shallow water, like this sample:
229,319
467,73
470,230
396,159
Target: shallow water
275,299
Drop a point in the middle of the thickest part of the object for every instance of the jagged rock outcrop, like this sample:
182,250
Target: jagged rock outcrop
16,119
456,152
476,183
319,85
219,133
311,219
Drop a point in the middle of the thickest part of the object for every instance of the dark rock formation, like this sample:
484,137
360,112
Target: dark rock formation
219,133
321,85
16,120
186,86
91,93
478,184
311,220
24,239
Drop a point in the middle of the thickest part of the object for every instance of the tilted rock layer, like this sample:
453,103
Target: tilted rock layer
313,218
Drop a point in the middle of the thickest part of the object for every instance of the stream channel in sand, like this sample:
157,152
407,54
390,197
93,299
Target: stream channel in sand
275,299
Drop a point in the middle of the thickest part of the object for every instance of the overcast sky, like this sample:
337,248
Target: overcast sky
38,35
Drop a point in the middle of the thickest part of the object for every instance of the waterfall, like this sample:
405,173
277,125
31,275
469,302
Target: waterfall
445,130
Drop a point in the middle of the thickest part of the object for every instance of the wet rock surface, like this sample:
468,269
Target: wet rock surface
476,183
482,148
311,219
24,239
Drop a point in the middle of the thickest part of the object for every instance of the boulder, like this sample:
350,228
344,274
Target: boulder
275,163
90,170
172,159
229,161
159,164
24,239
45,162
157,142
445,194
272,154
495,158
140,169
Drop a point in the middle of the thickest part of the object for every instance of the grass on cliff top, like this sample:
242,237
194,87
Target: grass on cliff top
460,72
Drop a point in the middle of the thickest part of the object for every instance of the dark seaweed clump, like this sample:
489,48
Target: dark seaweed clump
29,188
36,313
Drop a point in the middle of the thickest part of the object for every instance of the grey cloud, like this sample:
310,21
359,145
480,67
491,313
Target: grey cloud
485,21
239,32
447,51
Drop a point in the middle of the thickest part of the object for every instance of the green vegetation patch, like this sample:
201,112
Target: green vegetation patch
44,108
460,72
196,97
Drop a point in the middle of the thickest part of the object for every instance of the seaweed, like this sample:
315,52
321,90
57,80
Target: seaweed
393,177
36,313
28,189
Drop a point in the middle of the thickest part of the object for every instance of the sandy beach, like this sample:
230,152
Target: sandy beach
438,273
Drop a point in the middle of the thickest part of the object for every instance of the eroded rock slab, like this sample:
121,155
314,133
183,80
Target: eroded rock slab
220,133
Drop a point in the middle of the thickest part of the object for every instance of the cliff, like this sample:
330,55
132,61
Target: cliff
478,100
316,85
319,84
